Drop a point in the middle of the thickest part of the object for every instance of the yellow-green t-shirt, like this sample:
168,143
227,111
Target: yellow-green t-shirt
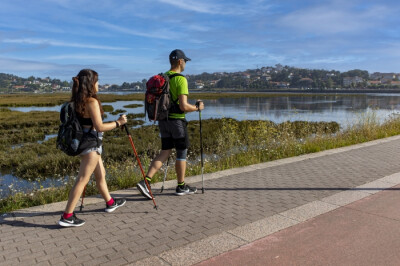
177,86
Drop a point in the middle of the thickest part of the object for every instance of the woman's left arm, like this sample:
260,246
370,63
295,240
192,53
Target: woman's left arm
95,115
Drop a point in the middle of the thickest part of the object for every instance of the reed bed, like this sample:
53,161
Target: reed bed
227,143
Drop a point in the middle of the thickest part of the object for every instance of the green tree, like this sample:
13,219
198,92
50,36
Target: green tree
329,83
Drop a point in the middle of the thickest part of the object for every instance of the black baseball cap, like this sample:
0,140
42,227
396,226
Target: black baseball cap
178,54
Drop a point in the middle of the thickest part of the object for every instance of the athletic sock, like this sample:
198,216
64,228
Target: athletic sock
67,215
181,185
110,202
148,178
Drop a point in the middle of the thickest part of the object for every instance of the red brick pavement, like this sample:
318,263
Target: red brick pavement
366,232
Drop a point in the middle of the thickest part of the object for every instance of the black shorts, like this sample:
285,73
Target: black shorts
174,134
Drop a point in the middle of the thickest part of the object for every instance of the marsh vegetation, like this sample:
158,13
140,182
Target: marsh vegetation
227,143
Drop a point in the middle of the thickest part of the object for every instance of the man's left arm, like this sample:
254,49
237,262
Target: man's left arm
187,107
183,92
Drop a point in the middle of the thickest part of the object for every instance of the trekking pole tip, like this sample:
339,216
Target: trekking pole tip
202,190
155,207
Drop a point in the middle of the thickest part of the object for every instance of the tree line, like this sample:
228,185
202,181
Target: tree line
272,78
259,79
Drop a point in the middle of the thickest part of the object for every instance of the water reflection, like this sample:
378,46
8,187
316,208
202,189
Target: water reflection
343,109
340,108
10,184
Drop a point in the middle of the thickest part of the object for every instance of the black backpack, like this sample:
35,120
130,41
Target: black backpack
71,139
158,102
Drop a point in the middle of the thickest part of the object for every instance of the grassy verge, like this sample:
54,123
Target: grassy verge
227,143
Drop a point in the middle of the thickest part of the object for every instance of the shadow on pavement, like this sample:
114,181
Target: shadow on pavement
301,188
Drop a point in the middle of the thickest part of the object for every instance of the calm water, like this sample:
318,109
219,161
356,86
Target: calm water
9,183
344,109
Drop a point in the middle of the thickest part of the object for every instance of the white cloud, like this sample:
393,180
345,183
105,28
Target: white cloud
218,7
336,59
59,43
30,25
25,68
8,65
164,34
199,6
388,50
198,27
331,19
85,57
97,57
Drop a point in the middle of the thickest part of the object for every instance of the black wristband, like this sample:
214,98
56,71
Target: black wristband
116,122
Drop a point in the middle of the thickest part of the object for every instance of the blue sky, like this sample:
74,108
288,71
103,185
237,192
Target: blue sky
131,40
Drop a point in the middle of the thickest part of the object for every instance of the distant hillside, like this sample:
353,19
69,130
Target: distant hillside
262,79
12,84
283,77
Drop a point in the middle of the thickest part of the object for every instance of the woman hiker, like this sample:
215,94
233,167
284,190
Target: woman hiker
89,111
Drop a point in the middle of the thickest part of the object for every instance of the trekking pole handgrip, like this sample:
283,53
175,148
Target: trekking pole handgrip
197,104
127,130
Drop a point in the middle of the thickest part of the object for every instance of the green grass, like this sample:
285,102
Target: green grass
232,144
107,108
118,111
19,127
133,105
227,143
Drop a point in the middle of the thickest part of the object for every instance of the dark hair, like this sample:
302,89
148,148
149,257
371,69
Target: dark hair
83,89
174,62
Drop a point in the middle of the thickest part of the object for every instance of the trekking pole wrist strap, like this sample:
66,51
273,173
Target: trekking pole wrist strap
117,124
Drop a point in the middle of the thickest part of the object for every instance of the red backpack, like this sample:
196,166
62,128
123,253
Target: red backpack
158,100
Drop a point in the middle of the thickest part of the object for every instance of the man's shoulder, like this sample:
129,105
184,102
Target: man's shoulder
174,74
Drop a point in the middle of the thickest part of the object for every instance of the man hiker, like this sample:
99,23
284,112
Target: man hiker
173,130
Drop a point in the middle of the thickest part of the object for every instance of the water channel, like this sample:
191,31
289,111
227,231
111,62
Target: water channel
340,108
344,109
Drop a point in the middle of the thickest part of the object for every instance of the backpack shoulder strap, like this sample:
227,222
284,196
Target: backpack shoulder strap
175,75
74,115
170,77
66,112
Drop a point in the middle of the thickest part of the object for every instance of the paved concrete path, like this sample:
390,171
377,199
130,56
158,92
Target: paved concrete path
366,232
243,208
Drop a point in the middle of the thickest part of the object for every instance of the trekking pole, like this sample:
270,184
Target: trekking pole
201,148
83,196
140,165
165,176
